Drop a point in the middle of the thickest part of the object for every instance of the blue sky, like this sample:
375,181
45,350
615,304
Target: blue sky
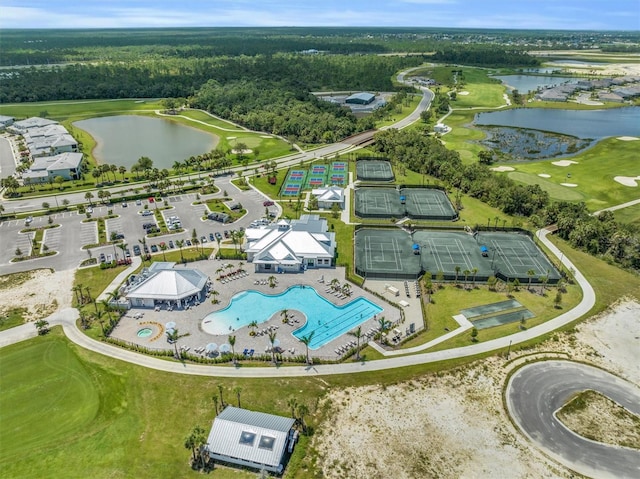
516,14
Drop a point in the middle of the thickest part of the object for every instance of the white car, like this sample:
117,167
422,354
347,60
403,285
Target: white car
89,209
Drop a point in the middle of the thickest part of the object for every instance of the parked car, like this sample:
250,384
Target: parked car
188,242
109,258
146,249
103,258
218,236
203,239
136,250
119,236
127,253
226,233
211,237
138,202
154,248
124,204
147,213
268,203
171,245
89,209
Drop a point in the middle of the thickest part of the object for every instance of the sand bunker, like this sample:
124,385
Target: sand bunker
628,138
627,180
244,151
570,185
502,168
231,137
463,93
266,136
564,163
544,175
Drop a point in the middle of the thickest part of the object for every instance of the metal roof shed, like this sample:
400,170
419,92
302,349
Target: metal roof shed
252,439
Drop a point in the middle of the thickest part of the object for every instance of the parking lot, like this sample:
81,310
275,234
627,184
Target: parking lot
68,240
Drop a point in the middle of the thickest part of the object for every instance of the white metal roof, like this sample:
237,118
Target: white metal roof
228,428
165,285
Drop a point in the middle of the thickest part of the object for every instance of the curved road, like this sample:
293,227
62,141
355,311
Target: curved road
68,317
536,392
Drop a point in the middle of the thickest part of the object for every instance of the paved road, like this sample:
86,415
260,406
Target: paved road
72,332
537,391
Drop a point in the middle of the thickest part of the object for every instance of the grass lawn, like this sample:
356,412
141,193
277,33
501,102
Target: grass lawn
484,91
593,173
397,116
63,110
78,414
630,215
11,318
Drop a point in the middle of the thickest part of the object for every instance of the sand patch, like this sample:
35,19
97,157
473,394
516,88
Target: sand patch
628,138
231,137
627,180
564,162
453,424
544,175
463,93
40,291
569,185
244,151
266,136
503,168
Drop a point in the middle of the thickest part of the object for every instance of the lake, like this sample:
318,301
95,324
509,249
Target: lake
121,140
526,83
595,124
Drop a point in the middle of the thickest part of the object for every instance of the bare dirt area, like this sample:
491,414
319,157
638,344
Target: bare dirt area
40,292
453,424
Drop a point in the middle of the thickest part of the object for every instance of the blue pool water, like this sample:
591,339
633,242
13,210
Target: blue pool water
325,319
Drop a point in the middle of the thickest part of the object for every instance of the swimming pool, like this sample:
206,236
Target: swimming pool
325,319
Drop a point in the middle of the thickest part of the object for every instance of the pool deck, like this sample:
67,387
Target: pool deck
189,322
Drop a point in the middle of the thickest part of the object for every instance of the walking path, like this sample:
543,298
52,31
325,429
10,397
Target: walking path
67,319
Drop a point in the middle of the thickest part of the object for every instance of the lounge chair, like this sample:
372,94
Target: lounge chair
251,351
245,352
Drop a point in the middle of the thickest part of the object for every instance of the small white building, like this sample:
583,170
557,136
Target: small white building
441,128
291,246
252,439
329,196
161,284
6,121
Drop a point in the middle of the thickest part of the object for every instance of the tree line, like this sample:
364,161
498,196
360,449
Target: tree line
599,235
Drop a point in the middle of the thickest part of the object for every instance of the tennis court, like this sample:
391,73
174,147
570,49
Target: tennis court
339,166
385,253
374,169
378,203
293,183
391,253
428,204
504,318
338,179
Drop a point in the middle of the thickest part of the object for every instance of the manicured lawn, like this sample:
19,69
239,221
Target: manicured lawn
630,215
73,413
483,90
397,116
593,173
62,110
11,318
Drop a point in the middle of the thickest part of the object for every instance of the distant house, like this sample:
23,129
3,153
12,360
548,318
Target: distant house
362,98
612,97
6,121
329,196
252,439
291,246
49,140
47,168
22,126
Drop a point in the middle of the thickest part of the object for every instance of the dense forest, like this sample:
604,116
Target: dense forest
599,235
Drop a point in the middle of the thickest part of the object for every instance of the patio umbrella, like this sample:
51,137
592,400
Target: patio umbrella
170,331
224,348
276,343
170,325
211,347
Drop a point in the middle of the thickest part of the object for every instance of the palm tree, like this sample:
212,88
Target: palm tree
335,282
123,171
285,315
215,293
272,281
195,441
466,273
474,272
232,343
163,248
272,340
220,389
306,340
172,337
89,196
293,404
531,273
303,410
357,333
457,273
253,325
143,242
180,244
384,325
237,390
42,326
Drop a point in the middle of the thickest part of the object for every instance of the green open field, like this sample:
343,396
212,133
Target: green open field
593,173
629,215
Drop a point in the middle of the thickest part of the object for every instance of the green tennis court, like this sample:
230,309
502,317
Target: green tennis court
460,256
378,203
427,204
374,169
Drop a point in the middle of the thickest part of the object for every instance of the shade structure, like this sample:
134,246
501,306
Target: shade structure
224,348
416,246
170,325
170,331
211,347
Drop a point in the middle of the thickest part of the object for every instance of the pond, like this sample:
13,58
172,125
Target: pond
121,140
594,124
527,83
532,133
